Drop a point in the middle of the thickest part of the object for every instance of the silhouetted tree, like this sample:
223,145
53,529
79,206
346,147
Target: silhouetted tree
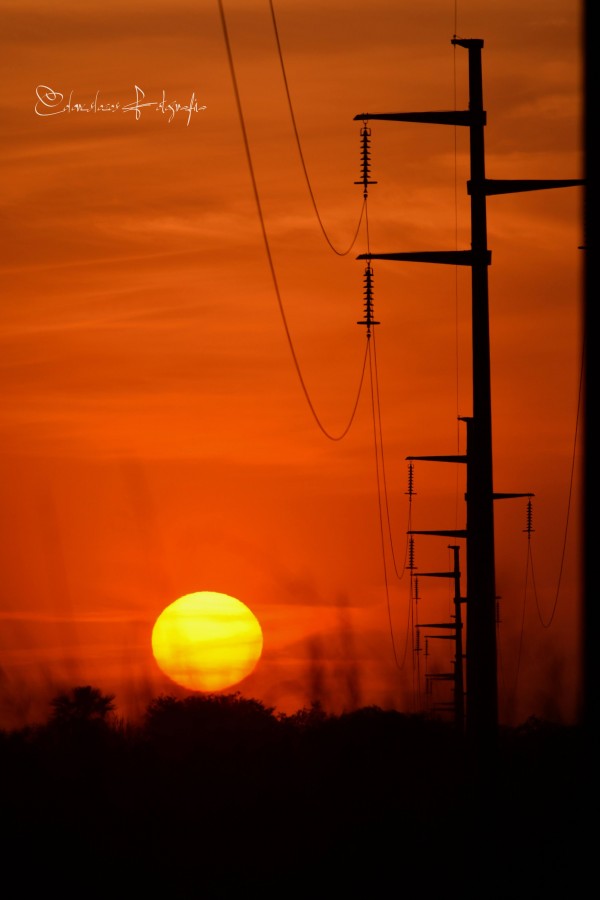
82,705
208,723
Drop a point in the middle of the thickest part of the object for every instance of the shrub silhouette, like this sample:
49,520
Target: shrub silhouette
208,724
82,706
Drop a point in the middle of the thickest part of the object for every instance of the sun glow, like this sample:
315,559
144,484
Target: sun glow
207,641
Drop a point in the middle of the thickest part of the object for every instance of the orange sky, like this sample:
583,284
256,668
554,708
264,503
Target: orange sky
154,435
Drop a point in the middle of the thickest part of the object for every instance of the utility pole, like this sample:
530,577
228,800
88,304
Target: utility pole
481,651
457,675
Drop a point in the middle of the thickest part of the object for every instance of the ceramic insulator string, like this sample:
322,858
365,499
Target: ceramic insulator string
411,482
365,141
411,554
368,320
529,527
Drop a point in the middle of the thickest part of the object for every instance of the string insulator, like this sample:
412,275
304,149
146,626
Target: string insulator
365,135
416,595
411,482
368,320
411,554
529,527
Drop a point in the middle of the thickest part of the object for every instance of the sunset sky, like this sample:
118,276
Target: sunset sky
155,436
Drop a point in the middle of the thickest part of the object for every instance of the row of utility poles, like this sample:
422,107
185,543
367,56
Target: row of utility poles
480,690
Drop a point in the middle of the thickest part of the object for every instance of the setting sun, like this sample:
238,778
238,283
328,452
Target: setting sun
207,641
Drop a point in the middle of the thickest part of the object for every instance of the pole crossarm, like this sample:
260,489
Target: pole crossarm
503,496
457,532
437,574
475,43
459,458
445,257
465,117
490,186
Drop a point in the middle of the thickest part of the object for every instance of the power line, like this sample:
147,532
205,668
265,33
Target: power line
299,145
270,256
548,622
399,664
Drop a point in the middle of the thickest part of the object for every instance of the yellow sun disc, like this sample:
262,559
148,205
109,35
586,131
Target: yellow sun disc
207,641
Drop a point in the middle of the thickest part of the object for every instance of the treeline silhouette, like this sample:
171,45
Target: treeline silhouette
211,795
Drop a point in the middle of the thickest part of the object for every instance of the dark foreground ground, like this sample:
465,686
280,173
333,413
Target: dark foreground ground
217,797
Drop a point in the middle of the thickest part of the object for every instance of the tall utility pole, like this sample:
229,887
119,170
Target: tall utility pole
481,652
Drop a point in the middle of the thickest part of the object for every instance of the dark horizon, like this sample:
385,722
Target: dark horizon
213,795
